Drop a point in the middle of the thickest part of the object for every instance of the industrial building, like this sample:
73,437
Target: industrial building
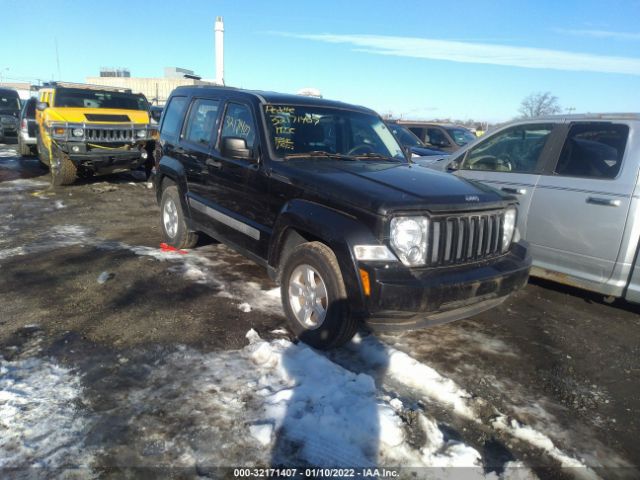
156,89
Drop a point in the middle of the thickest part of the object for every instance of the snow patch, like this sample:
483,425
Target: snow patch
41,426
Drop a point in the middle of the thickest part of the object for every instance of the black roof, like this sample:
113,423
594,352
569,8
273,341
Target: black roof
270,97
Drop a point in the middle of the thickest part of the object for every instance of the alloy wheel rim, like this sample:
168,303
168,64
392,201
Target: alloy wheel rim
170,218
308,296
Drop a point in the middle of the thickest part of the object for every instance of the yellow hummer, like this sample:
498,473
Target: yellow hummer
91,129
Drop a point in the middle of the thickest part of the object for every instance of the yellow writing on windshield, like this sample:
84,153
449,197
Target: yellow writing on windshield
283,143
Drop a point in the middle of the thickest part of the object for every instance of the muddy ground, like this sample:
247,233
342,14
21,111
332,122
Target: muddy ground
82,276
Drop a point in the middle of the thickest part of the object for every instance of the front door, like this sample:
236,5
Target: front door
511,161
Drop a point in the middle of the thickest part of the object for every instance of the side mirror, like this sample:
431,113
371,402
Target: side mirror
236,147
453,165
42,106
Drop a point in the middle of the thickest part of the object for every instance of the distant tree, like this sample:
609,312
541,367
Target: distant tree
539,104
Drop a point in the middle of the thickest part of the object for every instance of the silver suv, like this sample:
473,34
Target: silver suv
576,178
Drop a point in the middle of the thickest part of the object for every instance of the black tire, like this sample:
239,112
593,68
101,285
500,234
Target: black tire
23,150
182,237
65,173
338,325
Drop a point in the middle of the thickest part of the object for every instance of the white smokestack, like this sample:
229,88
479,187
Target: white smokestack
219,41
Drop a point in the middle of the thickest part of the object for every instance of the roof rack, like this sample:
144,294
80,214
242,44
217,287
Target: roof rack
87,86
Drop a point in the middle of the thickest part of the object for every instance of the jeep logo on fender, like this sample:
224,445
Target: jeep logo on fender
472,198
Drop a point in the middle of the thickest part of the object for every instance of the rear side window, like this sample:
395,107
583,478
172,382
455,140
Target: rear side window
593,151
202,121
30,108
173,117
516,149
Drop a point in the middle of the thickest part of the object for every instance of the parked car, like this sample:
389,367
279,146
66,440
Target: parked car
408,140
448,138
320,193
27,137
9,112
577,181
91,129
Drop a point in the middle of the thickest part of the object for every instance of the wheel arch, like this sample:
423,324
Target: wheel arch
302,221
172,170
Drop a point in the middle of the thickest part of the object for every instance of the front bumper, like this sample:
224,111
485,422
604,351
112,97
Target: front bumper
104,160
403,298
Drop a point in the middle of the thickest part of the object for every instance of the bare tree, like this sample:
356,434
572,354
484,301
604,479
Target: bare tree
539,104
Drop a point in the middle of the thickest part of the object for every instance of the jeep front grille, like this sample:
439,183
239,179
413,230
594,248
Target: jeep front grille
93,134
457,239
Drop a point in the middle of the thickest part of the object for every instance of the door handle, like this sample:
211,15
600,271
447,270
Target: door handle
514,191
213,163
605,202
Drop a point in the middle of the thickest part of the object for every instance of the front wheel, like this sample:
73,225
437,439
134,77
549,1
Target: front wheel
314,297
172,220
63,170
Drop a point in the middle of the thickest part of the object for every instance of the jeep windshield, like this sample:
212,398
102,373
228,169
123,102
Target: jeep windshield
307,131
86,98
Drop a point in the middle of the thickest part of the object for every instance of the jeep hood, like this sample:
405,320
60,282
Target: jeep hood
385,187
96,115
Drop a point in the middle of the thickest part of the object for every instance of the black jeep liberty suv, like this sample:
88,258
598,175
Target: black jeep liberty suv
321,194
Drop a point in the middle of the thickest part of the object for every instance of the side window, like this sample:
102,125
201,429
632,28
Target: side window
593,151
202,121
516,149
238,123
436,137
173,117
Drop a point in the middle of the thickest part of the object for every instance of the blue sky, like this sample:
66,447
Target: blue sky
418,59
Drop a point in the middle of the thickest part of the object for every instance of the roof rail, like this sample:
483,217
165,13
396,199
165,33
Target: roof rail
88,86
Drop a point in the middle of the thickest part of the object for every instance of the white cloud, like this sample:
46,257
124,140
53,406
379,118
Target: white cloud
484,53
600,34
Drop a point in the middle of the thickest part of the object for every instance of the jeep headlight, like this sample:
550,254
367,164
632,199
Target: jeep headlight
141,133
508,227
77,132
409,239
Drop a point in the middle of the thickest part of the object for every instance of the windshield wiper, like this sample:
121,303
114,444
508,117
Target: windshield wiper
320,153
378,156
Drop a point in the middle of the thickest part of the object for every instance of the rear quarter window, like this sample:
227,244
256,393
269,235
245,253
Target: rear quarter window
173,116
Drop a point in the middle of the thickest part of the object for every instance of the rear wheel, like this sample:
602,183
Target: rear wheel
314,297
173,222
23,150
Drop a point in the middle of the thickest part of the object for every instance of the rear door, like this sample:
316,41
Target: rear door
235,190
511,161
579,209
196,142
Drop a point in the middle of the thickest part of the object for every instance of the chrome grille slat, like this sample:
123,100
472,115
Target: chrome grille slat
459,239
107,135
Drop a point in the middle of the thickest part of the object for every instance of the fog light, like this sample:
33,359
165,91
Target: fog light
75,149
144,154
141,133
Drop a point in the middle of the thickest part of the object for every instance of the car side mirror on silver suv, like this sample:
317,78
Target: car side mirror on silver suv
41,106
